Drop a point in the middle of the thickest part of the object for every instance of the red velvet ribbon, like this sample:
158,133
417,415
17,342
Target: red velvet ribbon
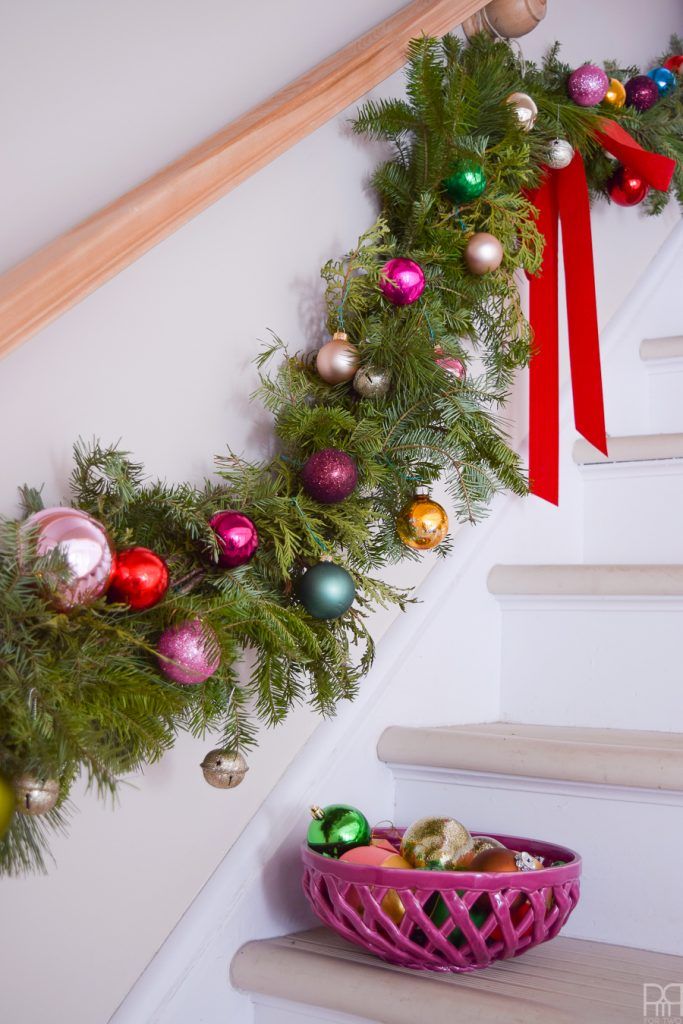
563,196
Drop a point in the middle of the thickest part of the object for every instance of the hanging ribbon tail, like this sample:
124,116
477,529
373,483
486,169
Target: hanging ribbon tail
655,169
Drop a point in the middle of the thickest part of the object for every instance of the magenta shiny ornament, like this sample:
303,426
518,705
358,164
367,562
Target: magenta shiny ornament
188,653
641,92
402,281
329,476
237,538
588,85
83,544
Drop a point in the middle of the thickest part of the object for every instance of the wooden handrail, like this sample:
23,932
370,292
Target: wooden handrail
56,277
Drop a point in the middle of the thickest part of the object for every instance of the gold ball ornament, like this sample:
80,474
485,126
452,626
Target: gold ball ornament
559,154
224,769
525,109
483,253
422,524
436,844
616,94
34,795
8,802
371,382
337,360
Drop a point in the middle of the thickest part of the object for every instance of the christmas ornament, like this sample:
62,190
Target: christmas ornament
507,19
35,795
402,281
664,79
439,914
422,524
326,590
435,843
7,805
450,363
674,63
337,828
372,382
587,85
641,93
559,154
329,476
616,94
479,844
466,181
237,538
188,653
369,855
139,578
224,769
483,253
337,360
383,844
83,545
525,109
392,904
501,859
627,188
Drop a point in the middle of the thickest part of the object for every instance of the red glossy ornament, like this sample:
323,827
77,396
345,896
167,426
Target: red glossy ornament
674,63
139,578
237,538
627,188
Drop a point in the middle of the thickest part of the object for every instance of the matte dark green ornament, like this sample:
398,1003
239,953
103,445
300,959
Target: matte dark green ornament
326,590
466,181
337,828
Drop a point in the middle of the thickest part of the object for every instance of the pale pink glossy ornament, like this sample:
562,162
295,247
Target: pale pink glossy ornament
338,359
83,544
188,653
402,281
483,253
450,364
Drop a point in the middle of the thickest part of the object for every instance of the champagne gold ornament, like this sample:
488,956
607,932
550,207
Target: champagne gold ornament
435,843
371,382
616,93
559,154
224,769
423,523
34,795
337,360
483,253
525,109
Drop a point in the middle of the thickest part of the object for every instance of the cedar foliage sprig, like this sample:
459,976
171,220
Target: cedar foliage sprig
81,693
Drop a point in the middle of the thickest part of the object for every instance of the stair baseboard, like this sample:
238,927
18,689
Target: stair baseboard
654,349
652,580
631,448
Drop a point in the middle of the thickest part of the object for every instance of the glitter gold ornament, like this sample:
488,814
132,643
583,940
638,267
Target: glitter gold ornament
483,253
224,769
559,154
337,360
435,843
371,382
525,109
34,795
616,94
423,523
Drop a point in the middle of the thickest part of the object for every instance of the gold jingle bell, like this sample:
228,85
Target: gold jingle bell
337,360
224,769
423,523
34,795
436,844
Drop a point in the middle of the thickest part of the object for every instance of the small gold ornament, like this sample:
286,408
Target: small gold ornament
616,94
34,795
371,382
436,844
423,523
525,109
337,360
224,769
483,253
559,154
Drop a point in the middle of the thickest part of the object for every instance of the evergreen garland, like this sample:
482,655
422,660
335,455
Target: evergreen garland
81,691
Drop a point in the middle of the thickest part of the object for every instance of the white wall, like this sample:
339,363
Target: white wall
101,96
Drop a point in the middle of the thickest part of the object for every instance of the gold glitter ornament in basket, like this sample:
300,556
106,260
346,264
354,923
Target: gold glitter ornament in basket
436,844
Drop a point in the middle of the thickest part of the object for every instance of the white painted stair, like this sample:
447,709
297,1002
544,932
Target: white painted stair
663,361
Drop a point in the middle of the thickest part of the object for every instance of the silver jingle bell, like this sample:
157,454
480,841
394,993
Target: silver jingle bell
560,153
34,795
224,769
371,382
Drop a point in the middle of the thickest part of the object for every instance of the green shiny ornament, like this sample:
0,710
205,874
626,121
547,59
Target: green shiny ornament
337,828
326,590
7,804
465,182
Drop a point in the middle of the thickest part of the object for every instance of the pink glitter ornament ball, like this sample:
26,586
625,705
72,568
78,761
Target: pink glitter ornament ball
588,85
641,92
402,281
237,538
84,546
329,476
193,652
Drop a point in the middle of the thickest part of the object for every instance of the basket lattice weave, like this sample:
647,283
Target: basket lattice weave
483,916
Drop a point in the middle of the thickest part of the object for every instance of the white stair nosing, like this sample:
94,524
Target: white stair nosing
662,348
593,581
635,448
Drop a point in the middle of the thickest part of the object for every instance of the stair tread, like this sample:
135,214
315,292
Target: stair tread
662,348
659,580
614,757
575,980
630,448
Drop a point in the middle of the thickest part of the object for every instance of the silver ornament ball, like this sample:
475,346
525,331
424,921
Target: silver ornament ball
560,154
525,109
337,360
483,253
34,795
224,769
371,382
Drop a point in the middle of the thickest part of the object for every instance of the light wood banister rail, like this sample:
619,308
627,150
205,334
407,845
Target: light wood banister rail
56,277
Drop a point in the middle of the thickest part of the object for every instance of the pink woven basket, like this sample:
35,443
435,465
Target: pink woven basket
454,920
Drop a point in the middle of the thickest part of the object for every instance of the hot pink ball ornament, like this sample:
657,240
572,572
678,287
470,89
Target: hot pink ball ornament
329,476
237,538
402,281
588,85
188,653
83,544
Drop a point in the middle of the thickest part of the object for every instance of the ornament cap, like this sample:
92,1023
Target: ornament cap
340,336
422,491
317,812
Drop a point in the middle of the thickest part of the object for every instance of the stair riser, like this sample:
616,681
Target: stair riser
603,662
274,1011
625,837
665,382
633,512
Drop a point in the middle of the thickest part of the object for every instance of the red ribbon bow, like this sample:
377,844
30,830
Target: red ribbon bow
563,196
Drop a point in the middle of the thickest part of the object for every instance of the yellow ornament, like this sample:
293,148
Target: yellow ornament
616,94
392,905
422,524
437,844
